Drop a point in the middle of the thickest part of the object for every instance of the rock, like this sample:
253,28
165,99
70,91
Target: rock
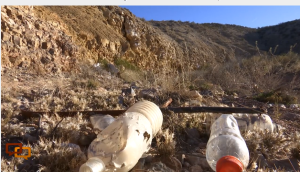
46,45
29,34
149,159
36,44
104,42
86,138
192,94
128,92
261,160
5,36
139,166
282,106
235,95
291,116
294,106
202,145
51,51
29,138
186,164
39,34
217,90
193,160
46,60
112,47
148,93
17,40
197,160
193,133
289,164
17,31
196,168
111,21
71,146
113,69
159,167
193,102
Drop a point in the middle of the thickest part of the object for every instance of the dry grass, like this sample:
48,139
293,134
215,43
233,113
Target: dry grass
58,156
10,165
165,143
271,145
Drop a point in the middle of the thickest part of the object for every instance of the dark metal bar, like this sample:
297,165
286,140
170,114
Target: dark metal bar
214,109
28,114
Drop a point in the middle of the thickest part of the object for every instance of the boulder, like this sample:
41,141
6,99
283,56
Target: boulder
5,36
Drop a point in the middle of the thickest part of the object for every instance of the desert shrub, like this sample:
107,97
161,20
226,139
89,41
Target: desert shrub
92,84
126,64
276,97
165,143
270,144
296,152
257,74
57,156
295,145
132,76
104,62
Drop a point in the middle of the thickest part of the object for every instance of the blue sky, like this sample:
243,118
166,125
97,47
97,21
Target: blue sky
249,16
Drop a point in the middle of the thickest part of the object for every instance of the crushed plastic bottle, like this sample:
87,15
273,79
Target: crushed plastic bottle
226,148
246,122
121,144
101,121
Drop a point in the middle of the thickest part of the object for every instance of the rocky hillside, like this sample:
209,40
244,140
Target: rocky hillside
74,58
53,38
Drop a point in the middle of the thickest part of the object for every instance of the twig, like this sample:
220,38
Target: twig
167,103
56,126
38,131
291,163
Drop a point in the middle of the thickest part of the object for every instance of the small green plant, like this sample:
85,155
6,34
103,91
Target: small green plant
206,86
92,84
126,64
104,62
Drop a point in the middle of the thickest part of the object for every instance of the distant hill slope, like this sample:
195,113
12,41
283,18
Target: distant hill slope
217,42
284,35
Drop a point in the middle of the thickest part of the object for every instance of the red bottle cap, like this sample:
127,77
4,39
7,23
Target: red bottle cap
229,164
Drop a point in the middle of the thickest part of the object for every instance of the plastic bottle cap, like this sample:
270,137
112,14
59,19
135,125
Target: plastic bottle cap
229,164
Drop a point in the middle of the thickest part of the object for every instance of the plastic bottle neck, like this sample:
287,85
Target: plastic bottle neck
93,164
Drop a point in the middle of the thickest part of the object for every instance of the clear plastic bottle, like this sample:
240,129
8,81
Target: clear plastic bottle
121,144
226,148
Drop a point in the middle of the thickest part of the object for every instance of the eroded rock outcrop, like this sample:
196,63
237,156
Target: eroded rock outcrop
27,41
116,33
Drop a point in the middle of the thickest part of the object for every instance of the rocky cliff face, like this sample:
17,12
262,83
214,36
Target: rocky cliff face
29,42
29,39
113,32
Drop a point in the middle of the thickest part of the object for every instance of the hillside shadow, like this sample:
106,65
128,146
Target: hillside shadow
279,38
